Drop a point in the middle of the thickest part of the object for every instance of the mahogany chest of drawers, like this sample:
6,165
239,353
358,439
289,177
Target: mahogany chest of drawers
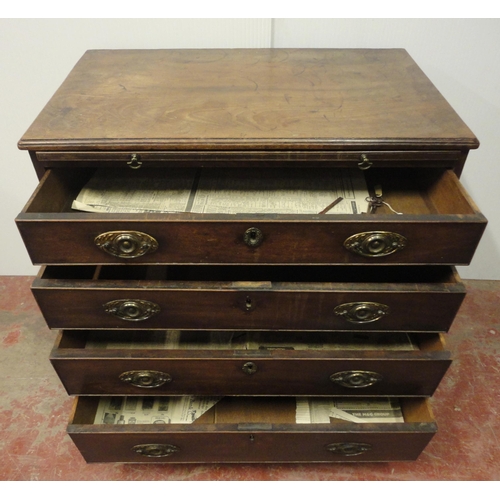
282,279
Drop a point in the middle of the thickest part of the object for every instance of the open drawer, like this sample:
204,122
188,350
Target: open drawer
312,298
249,363
439,224
252,430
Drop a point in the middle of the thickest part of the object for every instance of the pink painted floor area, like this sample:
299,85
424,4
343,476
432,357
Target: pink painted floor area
34,409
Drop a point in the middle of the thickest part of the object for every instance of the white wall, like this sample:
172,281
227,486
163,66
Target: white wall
461,57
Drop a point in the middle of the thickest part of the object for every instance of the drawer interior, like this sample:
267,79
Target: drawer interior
411,191
256,276
174,340
250,410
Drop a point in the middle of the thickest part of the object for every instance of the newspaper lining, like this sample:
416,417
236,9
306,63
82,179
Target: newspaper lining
219,340
358,410
152,410
224,191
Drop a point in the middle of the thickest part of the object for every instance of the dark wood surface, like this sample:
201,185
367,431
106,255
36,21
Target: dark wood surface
225,441
279,371
240,99
441,223
420,300
241,108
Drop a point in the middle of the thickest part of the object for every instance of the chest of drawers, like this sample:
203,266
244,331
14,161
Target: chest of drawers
286,295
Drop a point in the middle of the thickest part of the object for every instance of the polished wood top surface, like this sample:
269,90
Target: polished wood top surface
247,99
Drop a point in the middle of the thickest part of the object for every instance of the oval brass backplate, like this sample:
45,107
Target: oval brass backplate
126,244
362,312
349,449
146,379
375,243
132,309
155,450
356,379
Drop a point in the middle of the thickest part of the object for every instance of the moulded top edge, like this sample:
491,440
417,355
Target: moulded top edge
257,145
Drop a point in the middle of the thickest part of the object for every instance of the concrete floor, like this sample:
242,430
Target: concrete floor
34,409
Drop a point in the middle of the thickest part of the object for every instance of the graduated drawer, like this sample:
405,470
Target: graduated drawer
252,430
314,298
258,363
440,225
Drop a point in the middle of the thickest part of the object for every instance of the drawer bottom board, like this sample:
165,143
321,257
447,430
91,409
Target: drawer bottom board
252,430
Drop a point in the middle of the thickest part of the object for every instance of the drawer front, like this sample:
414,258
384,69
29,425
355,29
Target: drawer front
252,442
203,305
250,374
440,225
252,446
301,242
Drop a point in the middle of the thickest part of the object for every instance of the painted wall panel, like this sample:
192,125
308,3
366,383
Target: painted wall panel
461,57
35,57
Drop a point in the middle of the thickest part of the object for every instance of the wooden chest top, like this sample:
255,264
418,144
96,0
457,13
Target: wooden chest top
247,99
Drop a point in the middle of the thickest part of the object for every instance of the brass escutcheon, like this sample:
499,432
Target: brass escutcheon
132,309
126,244
249,368
146,379
155,450
348,449
356,379
361,312
253,237
249,304
375,243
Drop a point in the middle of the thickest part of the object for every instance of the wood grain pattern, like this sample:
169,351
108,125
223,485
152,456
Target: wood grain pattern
296,304
247,99
255,443
94,371
441,223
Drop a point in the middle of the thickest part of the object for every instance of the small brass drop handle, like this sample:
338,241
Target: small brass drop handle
145,379
365,163
155,450
134,162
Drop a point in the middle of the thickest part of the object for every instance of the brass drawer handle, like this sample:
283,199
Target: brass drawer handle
146,379
156,450
348,449
253,237
126,244
375,243
135,162
361,312
132,309
365,163
356,379
249,368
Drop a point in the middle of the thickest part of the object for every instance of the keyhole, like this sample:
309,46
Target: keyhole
253,237
248,303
